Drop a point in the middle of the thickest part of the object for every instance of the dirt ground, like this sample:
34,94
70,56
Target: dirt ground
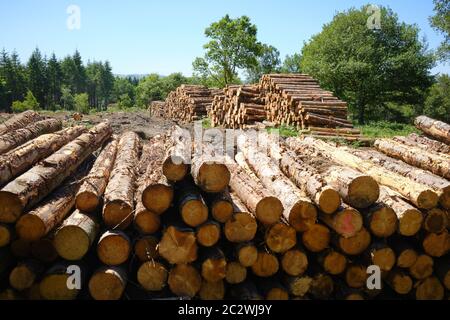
140,122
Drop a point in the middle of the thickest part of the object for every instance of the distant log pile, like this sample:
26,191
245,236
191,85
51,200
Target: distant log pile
157,109
297,100
189,102
237,107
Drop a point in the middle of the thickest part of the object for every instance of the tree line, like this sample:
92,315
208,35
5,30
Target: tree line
383,74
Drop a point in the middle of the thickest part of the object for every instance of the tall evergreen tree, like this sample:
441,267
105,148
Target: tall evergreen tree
37,80
55,79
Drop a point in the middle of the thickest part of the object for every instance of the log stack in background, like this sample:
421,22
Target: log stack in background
157,109
299,220
237,107
189,102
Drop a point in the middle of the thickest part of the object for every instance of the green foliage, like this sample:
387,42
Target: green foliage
268,62
206,123
54,81
123,86
82,103
377,71
291,64
384,129
441,22
100,83
13,74
125,102
284,131
30,103
233,46
437,104
67,98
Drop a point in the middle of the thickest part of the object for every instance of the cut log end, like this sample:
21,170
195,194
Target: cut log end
422,268
437,245
247,255
222,211
427,199
281,237
302,216
178,246
157,198
241,227
5,236
401,283
117,215
407,258
21,277
236,273
436,221
317,238
348,222
72,242
147,222
269,210
213,177
356,276
356,244
184,280
363,192
430,289
277,294
384,258
212,290
266,265
174,169
383,222
335,263
194,212
214,269
54,287
11,207
30,227
294,262
106,284
208,235
410,223
113,249
329,201
146,248
152,276
299,286
87,201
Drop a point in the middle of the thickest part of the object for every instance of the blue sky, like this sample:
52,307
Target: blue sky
139,36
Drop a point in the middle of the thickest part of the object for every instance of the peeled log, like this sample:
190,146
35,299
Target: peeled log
119,193
91,191
440,185
108,283
299,211
424,143
152,276
157,193
75,236
437,129
419,194
31,187
37,223
178,154
113,248
18,137
19,121
381,220
264,205
184,280
417,157
19,160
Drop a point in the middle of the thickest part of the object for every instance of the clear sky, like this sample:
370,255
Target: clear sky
165,36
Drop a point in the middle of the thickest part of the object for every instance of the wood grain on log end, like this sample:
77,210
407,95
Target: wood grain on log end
302,215
356,244
113,248
30,227
422,268
241,227
146,248
429,289
266,265
247,255
146,221
178,246
281,237
194,212
334,263
157,198
174,169
213,177
87,201
269,210
436,221
212,290
184,280
117,214
11,208
437,245
5,235
152,276
407,258
236,273
107,284
294,262
329,201
316,238
208,234
383,222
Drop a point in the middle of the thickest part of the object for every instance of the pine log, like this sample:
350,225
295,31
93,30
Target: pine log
146,248
436,129
184,280
5,235
245,291
213,264
21,248
381,255
436,245
417,157
429,289
208,234
236,273
178,245
345,222
400,282
53,285
18,137
266,265
436,221
75,236
405,252
443,271
113,248
356,276
191,204
177,159
422,268
37,223
247,254
272,289
119,193
221,206
30,188
152,276
322,286
294,262
19,121
316,238
89,195
280,237
44,249
332,261
212,290
298,286
107,283
242,227
24,275
420,195
19,160
381,220
266,207
355,245
424,143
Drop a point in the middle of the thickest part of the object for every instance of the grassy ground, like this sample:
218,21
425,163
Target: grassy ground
387,129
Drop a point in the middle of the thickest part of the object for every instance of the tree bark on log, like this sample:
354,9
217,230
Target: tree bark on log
119,193
24,157
19,121
89,196
30,188
424,143
11,140
53,285
436,129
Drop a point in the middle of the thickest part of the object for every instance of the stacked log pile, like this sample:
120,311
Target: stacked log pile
300,219
189,103
238,107
298,100
157,109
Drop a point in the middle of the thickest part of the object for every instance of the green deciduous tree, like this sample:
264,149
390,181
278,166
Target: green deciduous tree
437,104
30,103
82,103
441,22
292,64
233,47
67,98
268,62
378,72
